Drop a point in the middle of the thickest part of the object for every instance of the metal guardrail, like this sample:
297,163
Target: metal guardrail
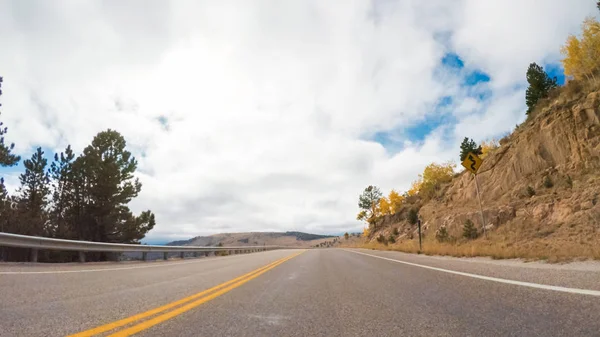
35,243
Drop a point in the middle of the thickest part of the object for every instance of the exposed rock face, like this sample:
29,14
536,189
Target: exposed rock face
556,154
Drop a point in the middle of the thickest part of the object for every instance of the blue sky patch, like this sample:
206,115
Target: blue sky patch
476,77
452,60
555,70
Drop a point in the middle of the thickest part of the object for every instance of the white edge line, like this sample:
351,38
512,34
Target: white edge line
493,279
163,264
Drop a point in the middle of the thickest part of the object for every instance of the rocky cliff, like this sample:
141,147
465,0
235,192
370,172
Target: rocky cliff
540,189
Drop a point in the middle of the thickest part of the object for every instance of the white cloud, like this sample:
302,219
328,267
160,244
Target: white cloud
268,105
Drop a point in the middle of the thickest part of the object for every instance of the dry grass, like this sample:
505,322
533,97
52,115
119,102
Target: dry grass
532,250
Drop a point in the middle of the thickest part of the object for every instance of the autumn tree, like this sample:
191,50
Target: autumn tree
434,175
540,85
384,207
415,187
368,202
488,147
396,201
33,195
469,145
582,55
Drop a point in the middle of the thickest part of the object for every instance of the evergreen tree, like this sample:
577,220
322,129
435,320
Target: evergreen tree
540,85
413,216
110,186
6,157
469,145
469,230
368,202
33,195
62,194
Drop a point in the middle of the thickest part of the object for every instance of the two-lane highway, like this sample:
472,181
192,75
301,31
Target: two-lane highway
327,292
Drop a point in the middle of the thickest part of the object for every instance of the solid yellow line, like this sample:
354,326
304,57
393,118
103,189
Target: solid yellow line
166,316
128,320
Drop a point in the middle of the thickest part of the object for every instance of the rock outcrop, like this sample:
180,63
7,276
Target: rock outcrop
544,178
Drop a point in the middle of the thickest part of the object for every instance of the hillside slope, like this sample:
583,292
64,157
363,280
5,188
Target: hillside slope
292,239
540,190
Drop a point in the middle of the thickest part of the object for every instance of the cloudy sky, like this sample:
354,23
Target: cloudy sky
272,115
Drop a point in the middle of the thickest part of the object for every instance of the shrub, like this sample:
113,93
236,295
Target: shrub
413,216
530,191
346,235
548,182
442,234
569,181
395,231
381,239
469,230
392,239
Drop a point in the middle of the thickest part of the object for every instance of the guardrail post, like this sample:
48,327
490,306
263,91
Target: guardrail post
165,256
182,255
34,254
81,257
145,256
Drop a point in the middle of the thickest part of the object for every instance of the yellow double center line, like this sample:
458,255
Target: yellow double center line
182,305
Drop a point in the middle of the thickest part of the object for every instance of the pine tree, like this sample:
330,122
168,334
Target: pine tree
110,186
33,195
469,230
62,194
6,157
540,85
368,202
469,145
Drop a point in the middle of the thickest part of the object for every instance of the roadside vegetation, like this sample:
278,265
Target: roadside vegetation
80,197
382,213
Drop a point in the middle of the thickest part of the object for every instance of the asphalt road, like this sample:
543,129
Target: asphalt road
326,292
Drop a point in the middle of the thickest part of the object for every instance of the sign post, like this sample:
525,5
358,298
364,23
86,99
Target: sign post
472,163
420,246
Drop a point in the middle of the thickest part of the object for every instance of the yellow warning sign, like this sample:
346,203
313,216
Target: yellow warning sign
472,162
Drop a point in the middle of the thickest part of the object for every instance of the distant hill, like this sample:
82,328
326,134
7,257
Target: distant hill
292,239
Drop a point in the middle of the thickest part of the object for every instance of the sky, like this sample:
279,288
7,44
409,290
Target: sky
268,115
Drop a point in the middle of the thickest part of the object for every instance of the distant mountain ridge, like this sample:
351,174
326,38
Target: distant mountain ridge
290,238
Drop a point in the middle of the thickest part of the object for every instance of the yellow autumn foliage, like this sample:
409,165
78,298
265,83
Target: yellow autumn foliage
488,146
433,176
384,206
395,200
582,55
415,187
